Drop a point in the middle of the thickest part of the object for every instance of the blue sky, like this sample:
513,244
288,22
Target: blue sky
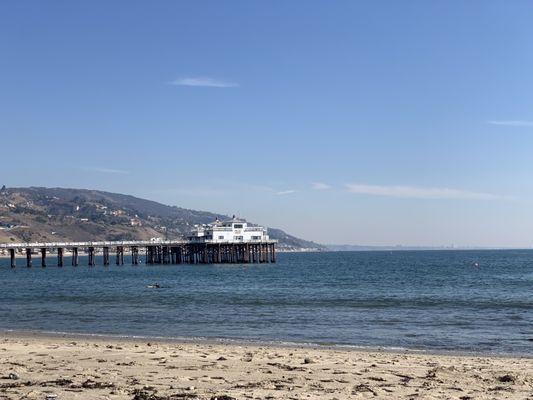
377,122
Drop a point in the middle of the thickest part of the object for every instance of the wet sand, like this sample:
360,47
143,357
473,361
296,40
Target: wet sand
48,367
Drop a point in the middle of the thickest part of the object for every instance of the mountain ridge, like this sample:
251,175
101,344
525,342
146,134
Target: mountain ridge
63,214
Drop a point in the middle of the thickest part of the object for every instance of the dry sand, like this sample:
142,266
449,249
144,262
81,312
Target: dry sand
38,367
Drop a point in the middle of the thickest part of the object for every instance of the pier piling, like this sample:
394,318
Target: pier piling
134,255
43,257
105,256
59,256
28,258
74,256
120,255
165,255
90,254
148,252
158,252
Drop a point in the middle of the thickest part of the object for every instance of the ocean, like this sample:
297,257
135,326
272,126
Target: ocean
459,301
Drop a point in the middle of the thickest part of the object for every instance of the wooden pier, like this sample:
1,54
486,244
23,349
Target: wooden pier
159,252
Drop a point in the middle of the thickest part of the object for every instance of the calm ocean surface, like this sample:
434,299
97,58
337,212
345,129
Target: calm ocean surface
428,300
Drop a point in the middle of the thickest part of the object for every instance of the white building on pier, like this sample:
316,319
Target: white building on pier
234,230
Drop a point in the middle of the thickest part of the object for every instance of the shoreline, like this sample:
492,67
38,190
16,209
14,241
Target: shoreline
75,367
169,340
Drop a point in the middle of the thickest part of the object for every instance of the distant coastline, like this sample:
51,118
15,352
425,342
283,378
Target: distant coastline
348,247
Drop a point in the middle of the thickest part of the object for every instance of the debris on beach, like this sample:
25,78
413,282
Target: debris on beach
58,382
363,388
90,384
13,375
507,378
149,393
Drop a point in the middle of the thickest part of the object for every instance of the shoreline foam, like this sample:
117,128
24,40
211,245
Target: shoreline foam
16,333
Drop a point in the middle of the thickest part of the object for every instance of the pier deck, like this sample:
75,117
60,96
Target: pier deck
155,252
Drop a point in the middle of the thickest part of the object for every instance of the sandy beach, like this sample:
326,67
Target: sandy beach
48,367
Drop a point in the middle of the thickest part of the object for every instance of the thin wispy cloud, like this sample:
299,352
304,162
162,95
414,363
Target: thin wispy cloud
512,123
105,170
197,191
274,189
285,192
204,82
413,192
243,187
320,186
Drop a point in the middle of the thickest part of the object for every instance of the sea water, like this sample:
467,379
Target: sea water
466,301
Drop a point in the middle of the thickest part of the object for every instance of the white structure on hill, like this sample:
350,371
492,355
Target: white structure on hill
231,231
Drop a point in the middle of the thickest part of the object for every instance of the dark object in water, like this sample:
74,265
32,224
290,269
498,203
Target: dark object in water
154,286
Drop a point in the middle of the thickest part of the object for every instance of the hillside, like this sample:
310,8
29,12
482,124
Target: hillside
55,214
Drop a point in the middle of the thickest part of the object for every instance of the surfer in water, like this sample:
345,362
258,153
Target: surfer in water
154,286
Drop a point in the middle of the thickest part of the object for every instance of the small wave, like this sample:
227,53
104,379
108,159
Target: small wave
274,343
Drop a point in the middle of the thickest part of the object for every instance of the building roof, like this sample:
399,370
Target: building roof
230,221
